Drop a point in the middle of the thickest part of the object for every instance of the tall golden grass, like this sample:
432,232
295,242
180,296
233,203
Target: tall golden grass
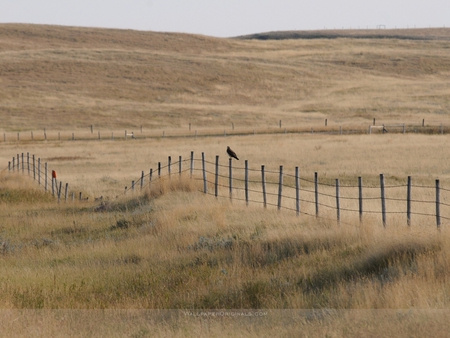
162,261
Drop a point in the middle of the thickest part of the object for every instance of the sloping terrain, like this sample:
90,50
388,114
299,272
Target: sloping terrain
65,78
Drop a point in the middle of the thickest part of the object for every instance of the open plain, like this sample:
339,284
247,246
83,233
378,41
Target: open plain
169,260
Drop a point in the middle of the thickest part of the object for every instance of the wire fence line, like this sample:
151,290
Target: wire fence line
315,197
306,196
93,134
41,173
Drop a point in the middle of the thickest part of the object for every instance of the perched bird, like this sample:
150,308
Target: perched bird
231,153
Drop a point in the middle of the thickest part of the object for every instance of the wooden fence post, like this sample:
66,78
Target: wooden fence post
169,165
46,176
263,180
383,200
438,205
53,186
18,136
34,168
408,202
150,179
23,164
59,191
316,192
297,191
132,186
338,205
142,179
32,137
66,192
9,165
18,162
192,164
230,177
14,163
280,187
179,165
216,181
39,171
360,193
205,186
159,169
28,163
246,182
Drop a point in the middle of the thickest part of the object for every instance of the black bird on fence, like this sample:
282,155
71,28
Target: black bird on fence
231,153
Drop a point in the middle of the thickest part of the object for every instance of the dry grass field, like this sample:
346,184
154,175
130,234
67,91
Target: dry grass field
172,261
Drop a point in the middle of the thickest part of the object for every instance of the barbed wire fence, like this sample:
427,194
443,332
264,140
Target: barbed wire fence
41,173
316,196
308,196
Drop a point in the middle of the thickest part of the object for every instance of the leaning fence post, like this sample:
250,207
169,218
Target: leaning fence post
246,182
192,163
316,192
383,200
280,187
338,205
205,186
408,202
66,192
263,180
438,205
216,181
297,191
360,187
230,177
142,179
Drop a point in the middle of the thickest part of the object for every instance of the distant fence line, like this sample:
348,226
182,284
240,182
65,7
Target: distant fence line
307,196
229,130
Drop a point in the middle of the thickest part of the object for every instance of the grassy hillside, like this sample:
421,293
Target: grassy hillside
63,78
154,263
